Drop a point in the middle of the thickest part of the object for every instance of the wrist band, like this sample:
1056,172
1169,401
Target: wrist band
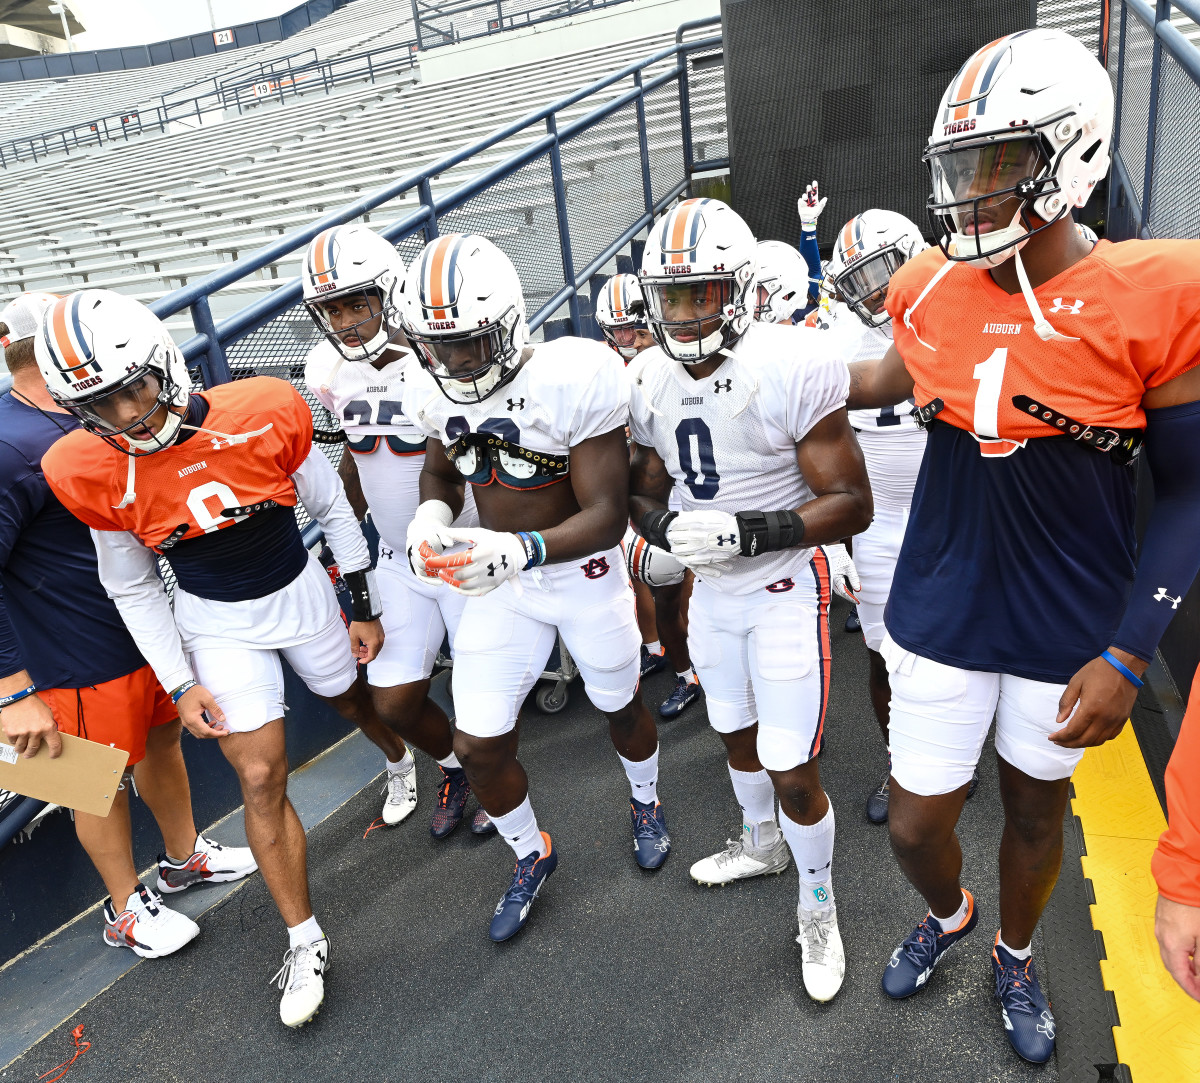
1123,669
535,548
365,604
653,527
178,694
16,697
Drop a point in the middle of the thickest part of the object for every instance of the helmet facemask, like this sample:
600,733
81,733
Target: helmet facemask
470,365
694,319
863,285
991,194
380,306
148,389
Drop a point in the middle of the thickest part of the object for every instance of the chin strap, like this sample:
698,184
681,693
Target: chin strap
130,493
941,273
1041,325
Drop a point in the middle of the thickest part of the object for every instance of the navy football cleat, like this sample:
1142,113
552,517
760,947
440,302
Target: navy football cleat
687,691
452,799
652,663
913,961
1028,1022
651,843
512,911
853,624
482,823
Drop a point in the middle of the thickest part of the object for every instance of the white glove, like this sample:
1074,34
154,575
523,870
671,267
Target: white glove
429,522
843,575
703,538
810,205
493,557
648,564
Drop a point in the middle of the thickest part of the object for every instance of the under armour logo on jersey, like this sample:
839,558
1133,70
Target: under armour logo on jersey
595,568
1163,596
503,564
517,404
718,386
386,553
1060,306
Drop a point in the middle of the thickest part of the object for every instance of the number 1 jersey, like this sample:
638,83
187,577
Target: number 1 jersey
729,439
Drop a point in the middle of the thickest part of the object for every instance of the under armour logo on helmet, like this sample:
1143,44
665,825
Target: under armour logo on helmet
1163,596
517,404
1061,306
718,386
503,564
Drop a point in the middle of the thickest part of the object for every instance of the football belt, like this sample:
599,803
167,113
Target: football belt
477,455
332,436
1121,444
249,509
925,414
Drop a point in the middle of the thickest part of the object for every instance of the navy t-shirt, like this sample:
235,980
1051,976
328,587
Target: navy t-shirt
1032,554
56,621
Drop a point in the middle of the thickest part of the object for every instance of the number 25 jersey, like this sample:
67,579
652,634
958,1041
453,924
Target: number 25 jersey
729,440
1019,552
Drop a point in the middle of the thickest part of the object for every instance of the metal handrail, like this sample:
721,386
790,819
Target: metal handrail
510,20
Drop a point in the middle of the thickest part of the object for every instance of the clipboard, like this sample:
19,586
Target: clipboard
85,777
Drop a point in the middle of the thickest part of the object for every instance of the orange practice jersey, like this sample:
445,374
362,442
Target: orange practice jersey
1133,307
1176,862
190,482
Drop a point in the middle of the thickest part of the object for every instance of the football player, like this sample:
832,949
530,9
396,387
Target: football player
662,608
353,282
539,433
809,206
781,286
868,251
1041,363
210,481
742,416
106,693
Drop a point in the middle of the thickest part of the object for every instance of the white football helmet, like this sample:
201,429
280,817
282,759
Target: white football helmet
1087,233
871,247
1023,133
113,364
700,257
781,282
354,259
621,313
464,310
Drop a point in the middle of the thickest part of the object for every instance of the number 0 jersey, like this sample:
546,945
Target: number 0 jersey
1020,549
388,449
729,439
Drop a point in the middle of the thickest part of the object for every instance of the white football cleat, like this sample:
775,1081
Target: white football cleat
401,799
823,960
303,983
146,926
741,859
212,863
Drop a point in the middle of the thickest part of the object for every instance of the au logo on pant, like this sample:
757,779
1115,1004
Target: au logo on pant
595,568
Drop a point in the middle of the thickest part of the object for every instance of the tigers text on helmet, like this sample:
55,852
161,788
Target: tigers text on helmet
112,363
464,311
621,313
352,262
870,248
781,284
698,278
1023,133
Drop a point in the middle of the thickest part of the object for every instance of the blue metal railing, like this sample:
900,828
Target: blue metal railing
440,22
1143,45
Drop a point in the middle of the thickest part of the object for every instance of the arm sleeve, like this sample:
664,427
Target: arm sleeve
129,573
1169,557
1176,861
812,256
22,498
321,492
604,403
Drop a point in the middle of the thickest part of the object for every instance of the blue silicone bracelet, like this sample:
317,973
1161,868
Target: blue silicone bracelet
16,697
1123,669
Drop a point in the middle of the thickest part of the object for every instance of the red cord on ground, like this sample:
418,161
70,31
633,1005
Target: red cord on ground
378,823
81,1047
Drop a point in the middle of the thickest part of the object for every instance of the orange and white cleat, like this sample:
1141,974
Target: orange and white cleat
146,926
211,863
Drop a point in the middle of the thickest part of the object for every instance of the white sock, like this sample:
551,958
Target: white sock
688,674
812,848
450,763
307,932
955,919
643,777
403,765
1017,953
756,795
520,830
654,648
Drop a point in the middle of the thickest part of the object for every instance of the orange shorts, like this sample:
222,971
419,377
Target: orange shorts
120,712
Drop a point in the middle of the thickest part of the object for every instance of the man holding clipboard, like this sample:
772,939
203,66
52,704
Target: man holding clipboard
95,683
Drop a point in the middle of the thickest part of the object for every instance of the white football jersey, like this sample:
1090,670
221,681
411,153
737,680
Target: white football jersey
388,449
568,391
729,440
858,342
